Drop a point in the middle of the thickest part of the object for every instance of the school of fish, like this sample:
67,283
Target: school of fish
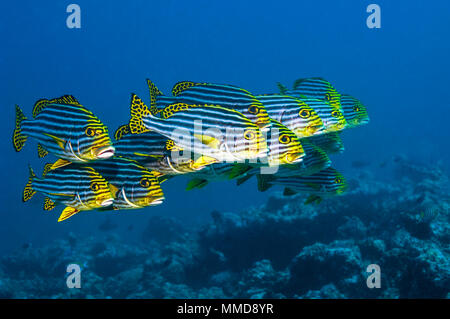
209,132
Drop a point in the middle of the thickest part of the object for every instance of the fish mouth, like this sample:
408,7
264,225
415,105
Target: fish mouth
107,202
105,152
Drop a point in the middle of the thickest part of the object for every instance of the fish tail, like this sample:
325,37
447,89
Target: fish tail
138,111
28,191
19,138
264,181
154,93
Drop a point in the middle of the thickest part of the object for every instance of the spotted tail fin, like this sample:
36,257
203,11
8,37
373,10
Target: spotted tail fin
28,191
18,138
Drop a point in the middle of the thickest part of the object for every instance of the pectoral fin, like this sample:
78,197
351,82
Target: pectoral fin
67,213
61,143
113,190
211,141
203,161
60,163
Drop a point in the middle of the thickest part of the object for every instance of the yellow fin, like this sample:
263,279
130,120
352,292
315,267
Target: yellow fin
48,204
42,152
113,190
204,161
61,143
67,212
18,138
138,110
47,168
60,163
211,141
121,131
154,93
169,110
28,191
182,86
66,99
171,146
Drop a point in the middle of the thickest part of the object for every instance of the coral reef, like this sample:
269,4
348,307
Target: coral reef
284,249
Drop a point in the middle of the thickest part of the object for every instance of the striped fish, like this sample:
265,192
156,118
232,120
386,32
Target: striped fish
333,120
284,148
330,142
227,96
293,113
326,183
354,111
314,161
159,154
77,186
65,128
317,88
212,131
136,186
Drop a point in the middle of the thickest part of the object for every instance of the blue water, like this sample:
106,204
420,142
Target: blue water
400,72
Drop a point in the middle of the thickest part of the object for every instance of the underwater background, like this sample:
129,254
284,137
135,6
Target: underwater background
225,241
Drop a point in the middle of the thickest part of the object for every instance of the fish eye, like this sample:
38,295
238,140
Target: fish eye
356,108
327,96
145,182
337,180
304,113
253,109
284,139
95,187
90,131
249,135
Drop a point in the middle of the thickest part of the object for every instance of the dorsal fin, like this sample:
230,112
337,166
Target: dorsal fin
138,110
283,89
47,168
121,131
65,99
154,93
169,110
182,86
